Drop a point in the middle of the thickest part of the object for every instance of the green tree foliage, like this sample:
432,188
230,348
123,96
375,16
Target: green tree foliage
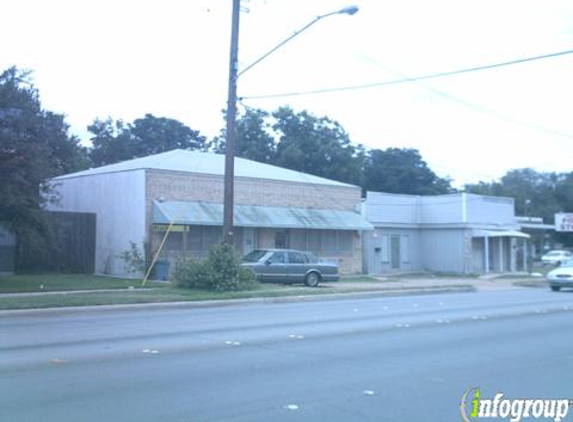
254,140
396,170
115,141
34,147
535,193
316,145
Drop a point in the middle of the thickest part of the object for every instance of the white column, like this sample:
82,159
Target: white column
486,253
500,254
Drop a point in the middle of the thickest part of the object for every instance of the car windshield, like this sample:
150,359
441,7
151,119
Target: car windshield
255,255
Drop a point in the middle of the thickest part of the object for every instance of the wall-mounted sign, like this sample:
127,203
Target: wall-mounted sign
564,222
174,228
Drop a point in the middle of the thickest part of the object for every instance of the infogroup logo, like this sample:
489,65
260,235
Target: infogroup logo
474,407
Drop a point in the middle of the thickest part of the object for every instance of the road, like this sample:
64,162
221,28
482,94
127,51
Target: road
403,358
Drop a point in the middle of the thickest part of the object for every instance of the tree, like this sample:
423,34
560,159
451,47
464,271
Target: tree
117,141
535,193
254,140
318,146
34,147
396,170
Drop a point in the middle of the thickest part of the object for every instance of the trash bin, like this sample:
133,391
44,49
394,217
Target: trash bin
161,270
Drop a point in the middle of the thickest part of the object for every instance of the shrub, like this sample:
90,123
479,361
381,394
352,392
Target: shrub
220,272
192,274
133,258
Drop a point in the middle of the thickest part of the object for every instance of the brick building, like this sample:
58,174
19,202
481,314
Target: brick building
135,201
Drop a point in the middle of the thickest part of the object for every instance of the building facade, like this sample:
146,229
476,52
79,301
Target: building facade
457,233
176,199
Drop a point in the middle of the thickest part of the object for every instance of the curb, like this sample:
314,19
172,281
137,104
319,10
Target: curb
250,301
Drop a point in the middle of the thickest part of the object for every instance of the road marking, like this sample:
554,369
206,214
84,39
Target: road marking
232,343
291,407
368,392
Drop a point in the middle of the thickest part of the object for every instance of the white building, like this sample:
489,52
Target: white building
457,233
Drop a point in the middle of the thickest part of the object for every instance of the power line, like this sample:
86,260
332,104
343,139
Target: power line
476,107
412,79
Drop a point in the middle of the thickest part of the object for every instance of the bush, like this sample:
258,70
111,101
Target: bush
220,272
133,259
192,274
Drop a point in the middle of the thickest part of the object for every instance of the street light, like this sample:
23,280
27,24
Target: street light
229,188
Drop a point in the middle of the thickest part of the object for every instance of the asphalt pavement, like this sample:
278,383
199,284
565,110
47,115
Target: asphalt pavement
361,359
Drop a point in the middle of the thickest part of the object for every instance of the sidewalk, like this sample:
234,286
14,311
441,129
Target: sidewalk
491,282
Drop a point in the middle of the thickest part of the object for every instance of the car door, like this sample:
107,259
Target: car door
275,268
297,266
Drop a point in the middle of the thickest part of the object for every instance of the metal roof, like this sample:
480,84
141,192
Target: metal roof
499,233
206,163
211,214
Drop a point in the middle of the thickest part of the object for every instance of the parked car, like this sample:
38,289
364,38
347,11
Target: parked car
556,257
562,276
290,266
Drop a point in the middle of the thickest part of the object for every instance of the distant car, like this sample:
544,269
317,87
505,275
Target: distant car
290,266
562,276
556,257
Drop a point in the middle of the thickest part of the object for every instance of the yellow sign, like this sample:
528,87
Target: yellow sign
174,228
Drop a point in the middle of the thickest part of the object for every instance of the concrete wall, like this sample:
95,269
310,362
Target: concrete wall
118,200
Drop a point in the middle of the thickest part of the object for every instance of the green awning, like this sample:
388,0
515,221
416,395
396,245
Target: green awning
210,214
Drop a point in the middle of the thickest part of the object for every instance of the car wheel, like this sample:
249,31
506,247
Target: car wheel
555,288
312,279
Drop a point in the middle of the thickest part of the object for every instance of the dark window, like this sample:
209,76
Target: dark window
278,258
296,258
255,255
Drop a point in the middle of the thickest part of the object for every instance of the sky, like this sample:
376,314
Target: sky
123,59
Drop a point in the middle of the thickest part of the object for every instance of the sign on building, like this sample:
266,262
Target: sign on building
564,222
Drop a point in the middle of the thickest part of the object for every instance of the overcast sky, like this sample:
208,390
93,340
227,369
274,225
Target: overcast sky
123,59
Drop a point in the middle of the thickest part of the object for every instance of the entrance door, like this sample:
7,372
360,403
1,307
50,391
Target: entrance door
395,252
248,240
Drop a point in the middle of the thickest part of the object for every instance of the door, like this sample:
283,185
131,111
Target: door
275,268
248,240
395,252
296,267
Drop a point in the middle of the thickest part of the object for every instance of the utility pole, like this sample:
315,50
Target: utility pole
228,200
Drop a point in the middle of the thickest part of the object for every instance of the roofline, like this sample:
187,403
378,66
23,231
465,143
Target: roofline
151,169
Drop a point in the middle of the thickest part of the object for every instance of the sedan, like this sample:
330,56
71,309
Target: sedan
555,257
290,266
562,276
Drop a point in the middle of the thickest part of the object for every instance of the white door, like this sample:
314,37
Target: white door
248,240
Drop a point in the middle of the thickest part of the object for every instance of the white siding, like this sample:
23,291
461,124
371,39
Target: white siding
442,209
391,208
490,210
443,250
118,200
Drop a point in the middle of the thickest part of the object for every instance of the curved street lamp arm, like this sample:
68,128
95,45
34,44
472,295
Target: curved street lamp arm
350,10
